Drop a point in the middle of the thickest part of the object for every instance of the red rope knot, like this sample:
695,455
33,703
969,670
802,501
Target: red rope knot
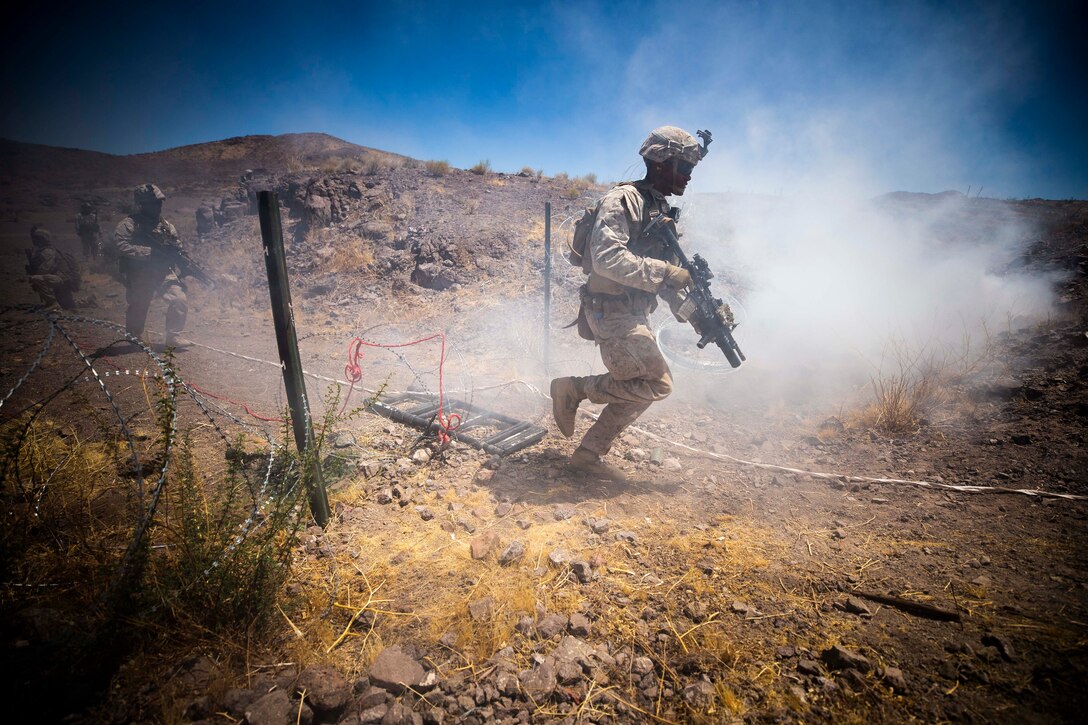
451,423
353,372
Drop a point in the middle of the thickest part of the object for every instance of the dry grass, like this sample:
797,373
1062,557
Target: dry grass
437,168
481,167
350,255
910,385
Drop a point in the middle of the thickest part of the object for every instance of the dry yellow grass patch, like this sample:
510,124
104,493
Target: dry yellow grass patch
350,254
402,580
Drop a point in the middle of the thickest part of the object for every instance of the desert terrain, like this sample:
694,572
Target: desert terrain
906,547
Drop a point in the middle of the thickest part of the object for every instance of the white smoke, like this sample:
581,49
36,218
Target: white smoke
829,281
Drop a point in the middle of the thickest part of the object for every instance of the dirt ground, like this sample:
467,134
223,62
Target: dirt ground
769,559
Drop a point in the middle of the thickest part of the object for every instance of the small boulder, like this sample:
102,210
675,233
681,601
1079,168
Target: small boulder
841,658
327,691
395,671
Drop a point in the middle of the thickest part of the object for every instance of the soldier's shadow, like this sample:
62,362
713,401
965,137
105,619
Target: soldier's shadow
542,478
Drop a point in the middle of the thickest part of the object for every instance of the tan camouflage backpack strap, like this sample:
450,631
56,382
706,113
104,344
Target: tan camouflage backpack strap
577,248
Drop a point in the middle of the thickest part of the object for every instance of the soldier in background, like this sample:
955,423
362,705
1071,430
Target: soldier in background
149,250
205,220
87,228
53,274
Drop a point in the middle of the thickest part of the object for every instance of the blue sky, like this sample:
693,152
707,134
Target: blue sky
867,97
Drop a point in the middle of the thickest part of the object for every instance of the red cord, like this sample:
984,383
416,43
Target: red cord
354,373
235,402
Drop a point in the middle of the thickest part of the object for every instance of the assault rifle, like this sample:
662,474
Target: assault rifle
167,245
187,267
707,319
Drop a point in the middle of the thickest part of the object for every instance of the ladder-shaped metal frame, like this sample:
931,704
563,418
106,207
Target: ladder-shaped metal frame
419,410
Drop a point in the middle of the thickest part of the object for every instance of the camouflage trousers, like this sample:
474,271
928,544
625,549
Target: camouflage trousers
53,290
637,373
141,289
90,246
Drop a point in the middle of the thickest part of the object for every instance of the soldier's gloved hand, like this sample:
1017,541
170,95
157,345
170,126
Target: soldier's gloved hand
676,277
725,314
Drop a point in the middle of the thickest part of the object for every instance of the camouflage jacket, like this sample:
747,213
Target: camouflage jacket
44,260
145,246
623,259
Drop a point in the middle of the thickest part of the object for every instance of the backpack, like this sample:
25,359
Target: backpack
583,228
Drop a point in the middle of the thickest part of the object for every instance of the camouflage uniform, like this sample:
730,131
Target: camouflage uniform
629,271
48,273
621,292
87,228
147,268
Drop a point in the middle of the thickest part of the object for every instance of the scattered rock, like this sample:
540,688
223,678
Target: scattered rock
276,708
840,658
563,512
552,625
401,714
512,553
894,677
583,571
559,558
327,691
483,545
372,696
237,700
600,526
700,695
1003,645
857,606
540,681
373,714
642,666
568,672
482,609
395,671
579,625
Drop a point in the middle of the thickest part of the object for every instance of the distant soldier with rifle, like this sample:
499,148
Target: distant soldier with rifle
87,228
152,262
626,246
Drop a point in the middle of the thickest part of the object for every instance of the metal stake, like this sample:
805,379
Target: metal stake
279,290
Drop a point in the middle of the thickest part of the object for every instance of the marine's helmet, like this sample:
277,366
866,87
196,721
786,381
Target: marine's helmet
666,142
147,194
86,207
40,236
